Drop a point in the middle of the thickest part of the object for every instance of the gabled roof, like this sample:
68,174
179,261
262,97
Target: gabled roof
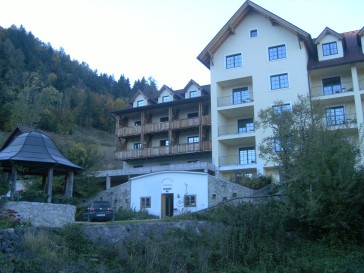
170,90
229,29
352,53
327,31
37,152
139,92
192,82
361,32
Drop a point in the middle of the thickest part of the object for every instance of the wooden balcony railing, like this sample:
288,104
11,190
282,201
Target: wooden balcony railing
164,126
180,149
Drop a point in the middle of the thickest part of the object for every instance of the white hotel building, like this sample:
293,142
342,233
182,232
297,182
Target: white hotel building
256,59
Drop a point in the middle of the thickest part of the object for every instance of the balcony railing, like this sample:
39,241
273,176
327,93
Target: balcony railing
341,119
319,90
234,129
231,100
231,160
204,146
164,126
361,84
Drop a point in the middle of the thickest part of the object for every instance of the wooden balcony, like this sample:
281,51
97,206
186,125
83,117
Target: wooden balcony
180,149
163,126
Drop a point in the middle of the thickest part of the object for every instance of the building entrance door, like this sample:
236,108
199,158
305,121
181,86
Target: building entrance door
167,205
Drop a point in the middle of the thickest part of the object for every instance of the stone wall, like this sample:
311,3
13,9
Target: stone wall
43,214
221,190
119,196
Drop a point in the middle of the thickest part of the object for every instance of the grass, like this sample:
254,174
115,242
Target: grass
254,241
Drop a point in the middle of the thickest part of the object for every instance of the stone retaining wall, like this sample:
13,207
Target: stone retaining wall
42,214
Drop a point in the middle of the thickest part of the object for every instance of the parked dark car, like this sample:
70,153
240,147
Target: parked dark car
100,211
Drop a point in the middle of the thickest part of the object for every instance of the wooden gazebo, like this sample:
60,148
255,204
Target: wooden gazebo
34,153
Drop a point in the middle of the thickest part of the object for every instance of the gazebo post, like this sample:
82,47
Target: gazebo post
50,182
69,185
13,182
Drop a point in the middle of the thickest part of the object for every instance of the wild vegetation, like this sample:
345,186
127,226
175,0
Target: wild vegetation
255,240
43,88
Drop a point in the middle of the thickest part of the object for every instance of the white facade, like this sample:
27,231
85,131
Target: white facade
169,193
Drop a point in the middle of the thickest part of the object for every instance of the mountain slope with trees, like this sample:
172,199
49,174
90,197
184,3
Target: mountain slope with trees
43,88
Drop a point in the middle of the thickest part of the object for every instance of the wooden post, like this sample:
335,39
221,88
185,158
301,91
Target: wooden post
49,188
13,182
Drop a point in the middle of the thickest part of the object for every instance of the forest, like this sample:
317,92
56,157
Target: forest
43,88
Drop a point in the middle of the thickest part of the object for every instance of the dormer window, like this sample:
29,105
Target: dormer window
140,103
234,60
165,99
193,94
329,49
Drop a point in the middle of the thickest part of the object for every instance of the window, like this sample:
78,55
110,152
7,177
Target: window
193,94
277,145
190,200
277,109
145,202
165,99
245,125
331,85
234,61
335,116
192,115
137,123
137,146
193,139
247,155
241,95
279,81
329,49
140,103
253,33
277,52
164,142
163,119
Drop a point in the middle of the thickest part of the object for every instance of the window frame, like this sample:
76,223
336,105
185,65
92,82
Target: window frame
192,94
166,98
190,200
328,50
331,85
253,33
137,146
164,142
195,139
140,103
163,119
145,202
337,118
192,115
274,53
245,125
281,107
276,81
240,95
138,123
247,155
233,61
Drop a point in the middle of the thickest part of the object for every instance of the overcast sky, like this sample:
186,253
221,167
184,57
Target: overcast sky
158,38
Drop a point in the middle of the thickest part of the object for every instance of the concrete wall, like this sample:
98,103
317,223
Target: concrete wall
43,214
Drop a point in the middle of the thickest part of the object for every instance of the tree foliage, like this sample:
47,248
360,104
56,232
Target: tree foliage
43,88
320,166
